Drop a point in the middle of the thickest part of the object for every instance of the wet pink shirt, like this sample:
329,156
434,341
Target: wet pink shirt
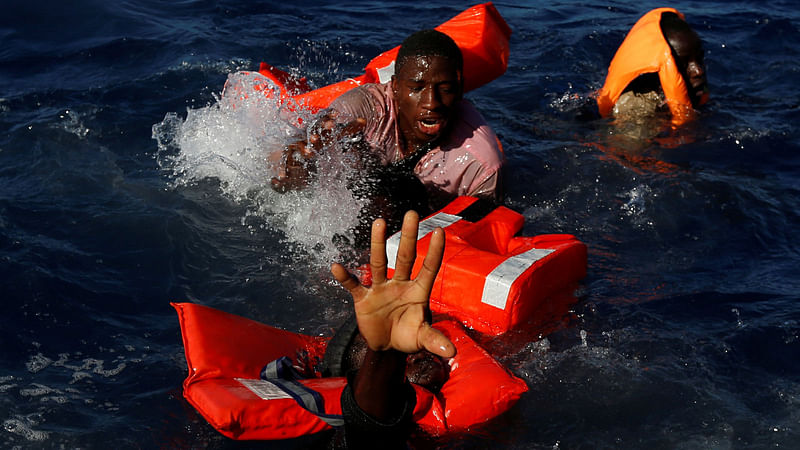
467,161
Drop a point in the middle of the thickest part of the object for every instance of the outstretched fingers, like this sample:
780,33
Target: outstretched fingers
407,250
432,262
348,281
377,255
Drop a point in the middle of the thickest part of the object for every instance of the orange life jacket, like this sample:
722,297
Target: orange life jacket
490,279
645,50
226,353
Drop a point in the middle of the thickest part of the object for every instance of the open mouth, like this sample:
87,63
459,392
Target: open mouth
431,126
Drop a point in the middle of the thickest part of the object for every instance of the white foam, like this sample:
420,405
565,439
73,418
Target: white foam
37,362
72,122
18,427
37,390
636,205
238,140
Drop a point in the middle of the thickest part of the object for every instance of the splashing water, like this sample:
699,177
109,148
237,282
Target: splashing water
239,140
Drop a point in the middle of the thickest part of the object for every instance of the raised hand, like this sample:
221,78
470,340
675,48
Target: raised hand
392,313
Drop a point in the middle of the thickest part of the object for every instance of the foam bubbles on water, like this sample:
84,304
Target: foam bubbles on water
568,101
7,384
746,136
52,385
635,206
37,362
80,369
71,122
24,428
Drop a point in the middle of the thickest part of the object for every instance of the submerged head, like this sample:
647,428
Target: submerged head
427,85
687,50
422,368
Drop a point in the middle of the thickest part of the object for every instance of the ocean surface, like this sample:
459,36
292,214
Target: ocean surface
128,181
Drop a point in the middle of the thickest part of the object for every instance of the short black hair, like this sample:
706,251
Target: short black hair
429,43
672,23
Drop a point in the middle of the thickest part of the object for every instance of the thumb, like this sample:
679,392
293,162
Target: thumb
435,341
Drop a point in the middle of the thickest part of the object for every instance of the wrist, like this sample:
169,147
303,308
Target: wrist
379,381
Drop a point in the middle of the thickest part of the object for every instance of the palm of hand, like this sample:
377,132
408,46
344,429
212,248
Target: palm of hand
392,313
395,323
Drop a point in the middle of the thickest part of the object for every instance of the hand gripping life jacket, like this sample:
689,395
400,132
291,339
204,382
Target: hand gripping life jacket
227,354
490,279
645,50
480,32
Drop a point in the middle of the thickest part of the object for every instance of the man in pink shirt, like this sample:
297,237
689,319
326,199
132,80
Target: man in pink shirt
418,121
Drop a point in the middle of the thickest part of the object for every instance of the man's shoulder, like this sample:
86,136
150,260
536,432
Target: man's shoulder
371,93
472,134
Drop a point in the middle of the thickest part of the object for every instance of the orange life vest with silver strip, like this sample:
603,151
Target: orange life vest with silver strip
490,279
226,353
480,32
645,50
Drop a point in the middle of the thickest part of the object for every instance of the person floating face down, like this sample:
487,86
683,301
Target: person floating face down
659,66
394,342
418,124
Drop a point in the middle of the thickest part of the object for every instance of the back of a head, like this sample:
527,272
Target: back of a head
688,54
428,43
672,25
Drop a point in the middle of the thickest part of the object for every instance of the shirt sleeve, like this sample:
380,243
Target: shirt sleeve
357,103
480,177
484,186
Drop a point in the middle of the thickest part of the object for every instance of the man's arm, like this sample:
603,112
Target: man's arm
392,315
296,164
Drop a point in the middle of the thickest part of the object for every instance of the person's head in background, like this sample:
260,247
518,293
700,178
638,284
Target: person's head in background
687,51
658,67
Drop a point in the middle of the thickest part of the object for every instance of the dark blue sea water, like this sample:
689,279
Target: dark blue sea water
685,333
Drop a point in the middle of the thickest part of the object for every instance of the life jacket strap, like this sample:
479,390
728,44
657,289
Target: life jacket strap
282,374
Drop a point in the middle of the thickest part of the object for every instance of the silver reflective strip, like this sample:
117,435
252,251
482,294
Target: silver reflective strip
271,371
302,396
270,391
426,226
498,282
385,73
264,389
332,419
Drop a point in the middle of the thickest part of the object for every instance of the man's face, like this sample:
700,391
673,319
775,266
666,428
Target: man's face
426,90
688,50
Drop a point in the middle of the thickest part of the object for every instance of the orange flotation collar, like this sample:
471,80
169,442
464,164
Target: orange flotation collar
645,50
226,353
492,280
